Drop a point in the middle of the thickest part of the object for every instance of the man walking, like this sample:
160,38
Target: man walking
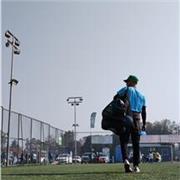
137,110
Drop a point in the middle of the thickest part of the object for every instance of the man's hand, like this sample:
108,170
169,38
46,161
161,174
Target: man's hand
143,128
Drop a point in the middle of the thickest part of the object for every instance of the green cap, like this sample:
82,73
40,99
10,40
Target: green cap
131,78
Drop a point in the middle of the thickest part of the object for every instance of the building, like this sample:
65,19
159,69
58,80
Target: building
167,145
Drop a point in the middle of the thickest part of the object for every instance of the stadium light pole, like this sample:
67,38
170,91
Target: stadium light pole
75,101
12,41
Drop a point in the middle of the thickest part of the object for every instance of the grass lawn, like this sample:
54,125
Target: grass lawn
153,171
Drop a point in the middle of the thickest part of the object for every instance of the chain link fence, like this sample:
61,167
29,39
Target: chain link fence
30,140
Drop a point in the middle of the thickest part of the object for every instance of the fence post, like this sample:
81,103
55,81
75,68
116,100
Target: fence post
48,143
1,123
2,119
22,139
3,137
56,136
18,134
40,142
172,154
31,140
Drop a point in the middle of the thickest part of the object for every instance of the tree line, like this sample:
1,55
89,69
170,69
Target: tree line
164,126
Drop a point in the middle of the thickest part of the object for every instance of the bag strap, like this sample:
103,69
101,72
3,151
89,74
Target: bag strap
129,112
117,96
125,96
126,93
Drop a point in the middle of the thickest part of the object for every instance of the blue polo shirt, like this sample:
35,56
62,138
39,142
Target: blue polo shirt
137,100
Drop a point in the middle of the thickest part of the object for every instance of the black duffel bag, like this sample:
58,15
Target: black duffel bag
115,116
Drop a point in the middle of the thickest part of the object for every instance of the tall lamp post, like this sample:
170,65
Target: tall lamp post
12,41
75,101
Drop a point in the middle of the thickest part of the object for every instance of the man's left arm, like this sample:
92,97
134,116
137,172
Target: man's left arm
143,114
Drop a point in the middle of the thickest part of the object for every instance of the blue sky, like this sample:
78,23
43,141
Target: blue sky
86,49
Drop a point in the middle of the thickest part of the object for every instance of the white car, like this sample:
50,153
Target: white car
77,159
64,158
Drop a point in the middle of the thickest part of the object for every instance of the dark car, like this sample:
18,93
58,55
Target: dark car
89,157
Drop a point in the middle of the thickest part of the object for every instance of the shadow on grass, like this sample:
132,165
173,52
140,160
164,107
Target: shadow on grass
61,174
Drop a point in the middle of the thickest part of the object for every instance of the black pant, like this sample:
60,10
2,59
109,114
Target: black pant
135,138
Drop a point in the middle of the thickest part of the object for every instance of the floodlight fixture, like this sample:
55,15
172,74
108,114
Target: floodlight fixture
7,34
17,43
17,52
75,125
7,44
14,81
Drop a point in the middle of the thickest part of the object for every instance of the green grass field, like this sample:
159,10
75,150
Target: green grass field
154,171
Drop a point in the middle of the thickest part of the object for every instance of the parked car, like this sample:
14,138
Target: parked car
89,157
103,158
34,158
64,158
85,158
44,159
77,159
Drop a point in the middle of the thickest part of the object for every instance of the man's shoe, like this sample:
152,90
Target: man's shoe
136,169
127,166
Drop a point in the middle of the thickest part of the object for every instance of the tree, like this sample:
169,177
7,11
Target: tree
164,126
87,144
69,143
68,138
174,128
